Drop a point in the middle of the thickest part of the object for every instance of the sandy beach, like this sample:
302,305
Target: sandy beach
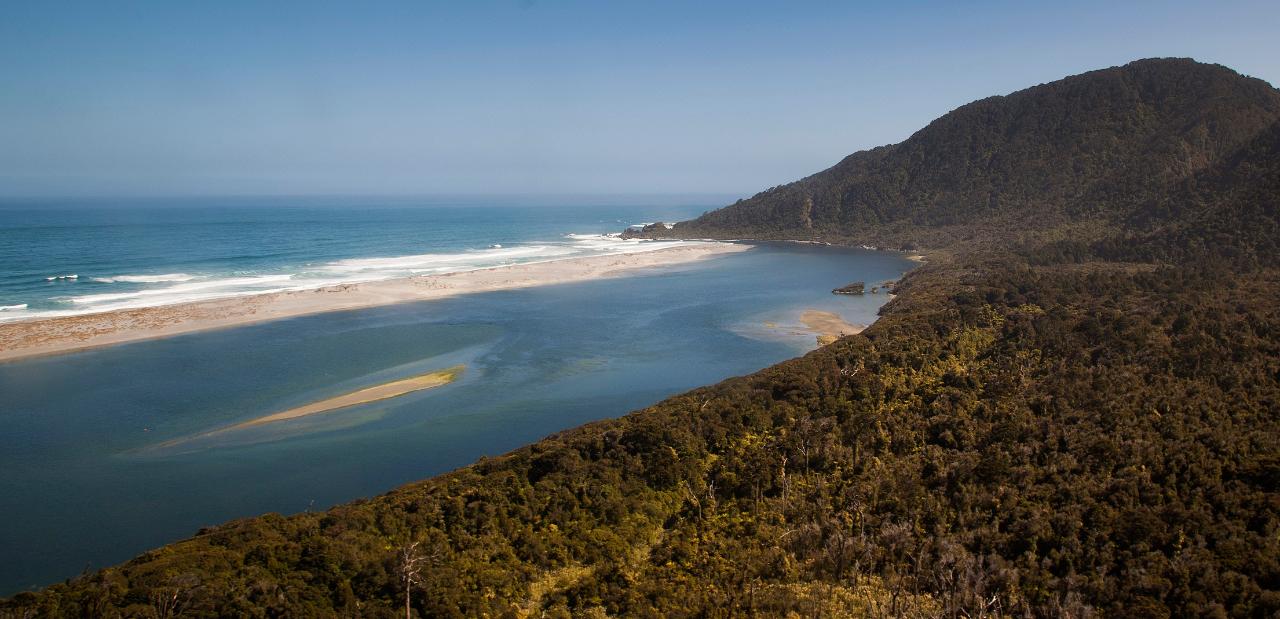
27,338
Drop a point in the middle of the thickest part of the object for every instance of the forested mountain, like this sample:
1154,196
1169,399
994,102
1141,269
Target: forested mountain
1083,150
1073,409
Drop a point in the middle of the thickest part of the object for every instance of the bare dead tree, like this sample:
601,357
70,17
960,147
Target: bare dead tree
786,483
692,497
175,597
810,435
412,562
165,602
839,552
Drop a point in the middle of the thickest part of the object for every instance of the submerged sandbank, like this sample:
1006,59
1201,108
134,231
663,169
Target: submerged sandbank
367,395
828,326
26,338
385,391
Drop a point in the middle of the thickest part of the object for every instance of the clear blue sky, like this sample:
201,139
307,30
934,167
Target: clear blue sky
164,98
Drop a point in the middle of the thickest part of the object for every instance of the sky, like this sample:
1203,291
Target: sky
534,96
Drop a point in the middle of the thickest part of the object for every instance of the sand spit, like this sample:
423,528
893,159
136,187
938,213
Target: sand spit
27,338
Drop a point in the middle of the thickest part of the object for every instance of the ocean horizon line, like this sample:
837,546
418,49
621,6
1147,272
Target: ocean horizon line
376,200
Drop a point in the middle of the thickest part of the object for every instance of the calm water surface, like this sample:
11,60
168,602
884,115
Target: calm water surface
84,485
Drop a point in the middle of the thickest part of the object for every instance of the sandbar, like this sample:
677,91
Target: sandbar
46,336
385,391
829,326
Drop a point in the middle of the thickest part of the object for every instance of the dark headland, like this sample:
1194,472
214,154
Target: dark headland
1073,407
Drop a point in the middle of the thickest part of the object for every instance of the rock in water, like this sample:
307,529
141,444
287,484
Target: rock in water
854,288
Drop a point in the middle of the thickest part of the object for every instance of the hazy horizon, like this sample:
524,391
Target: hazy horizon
532,98
514,199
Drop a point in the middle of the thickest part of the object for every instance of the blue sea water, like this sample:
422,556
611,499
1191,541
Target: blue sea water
74,257
87,481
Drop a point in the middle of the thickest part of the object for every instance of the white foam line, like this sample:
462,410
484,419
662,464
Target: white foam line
146,279
350,271
180,289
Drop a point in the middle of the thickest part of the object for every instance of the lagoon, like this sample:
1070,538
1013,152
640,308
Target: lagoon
88,483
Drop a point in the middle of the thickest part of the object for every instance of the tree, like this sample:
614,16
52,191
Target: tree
411,562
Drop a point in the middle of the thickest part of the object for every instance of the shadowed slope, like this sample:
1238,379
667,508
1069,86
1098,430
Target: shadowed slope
1076,153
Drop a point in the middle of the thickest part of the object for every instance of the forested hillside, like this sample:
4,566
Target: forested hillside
1073,413
1080,152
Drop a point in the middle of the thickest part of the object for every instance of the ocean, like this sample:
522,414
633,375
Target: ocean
68,257
88,481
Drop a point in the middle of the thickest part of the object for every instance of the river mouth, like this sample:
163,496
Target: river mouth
538,361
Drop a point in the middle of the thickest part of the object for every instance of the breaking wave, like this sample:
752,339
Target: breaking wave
133,291
145,279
